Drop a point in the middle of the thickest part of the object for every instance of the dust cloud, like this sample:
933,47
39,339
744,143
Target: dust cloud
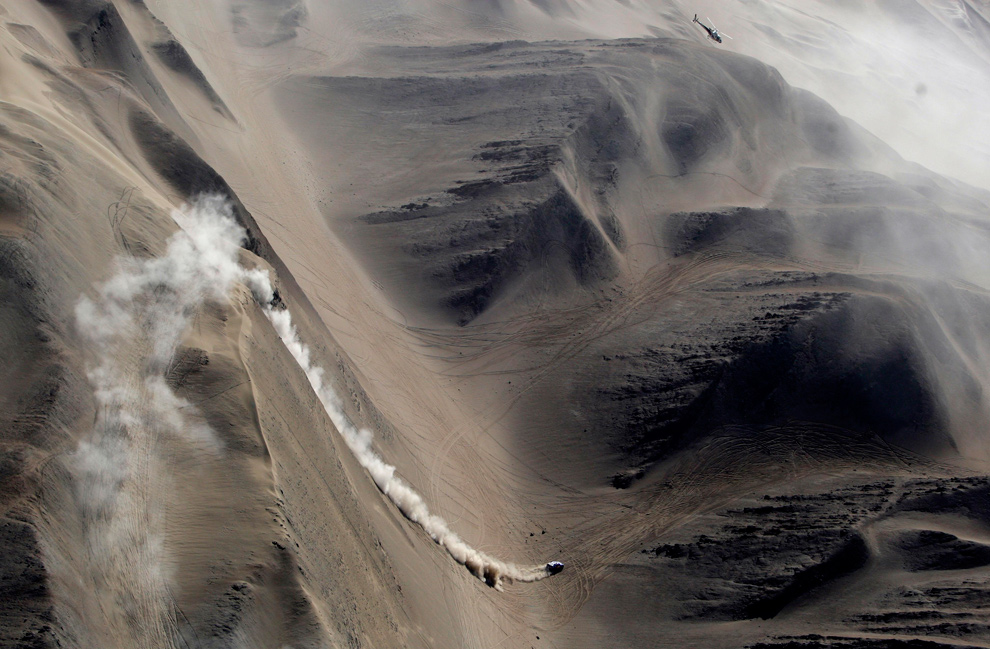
133,326
491,570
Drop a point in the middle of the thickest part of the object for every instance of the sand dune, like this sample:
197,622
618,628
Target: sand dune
567,281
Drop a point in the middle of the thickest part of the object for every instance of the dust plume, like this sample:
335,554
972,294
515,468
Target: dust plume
133,326
493,571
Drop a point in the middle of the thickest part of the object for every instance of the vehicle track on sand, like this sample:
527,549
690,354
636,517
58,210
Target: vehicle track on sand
616,530
592,322
570,331
730,462
600,319
710,475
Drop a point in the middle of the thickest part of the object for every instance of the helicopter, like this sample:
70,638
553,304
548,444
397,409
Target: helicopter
713,32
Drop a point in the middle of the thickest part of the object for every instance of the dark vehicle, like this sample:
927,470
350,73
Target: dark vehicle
554,567
713,32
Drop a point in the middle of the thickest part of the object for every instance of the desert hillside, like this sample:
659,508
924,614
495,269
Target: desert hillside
338,323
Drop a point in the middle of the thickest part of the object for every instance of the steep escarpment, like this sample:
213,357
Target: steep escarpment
546,136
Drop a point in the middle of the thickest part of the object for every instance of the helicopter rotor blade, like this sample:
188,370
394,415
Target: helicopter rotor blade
717,30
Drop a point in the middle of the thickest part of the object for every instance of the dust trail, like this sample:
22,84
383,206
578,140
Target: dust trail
491,570
486,567
133,326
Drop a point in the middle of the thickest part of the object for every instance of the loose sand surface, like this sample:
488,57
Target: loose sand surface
708,324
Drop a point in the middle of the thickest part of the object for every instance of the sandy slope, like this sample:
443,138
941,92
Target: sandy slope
205,557
913,73
642,306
